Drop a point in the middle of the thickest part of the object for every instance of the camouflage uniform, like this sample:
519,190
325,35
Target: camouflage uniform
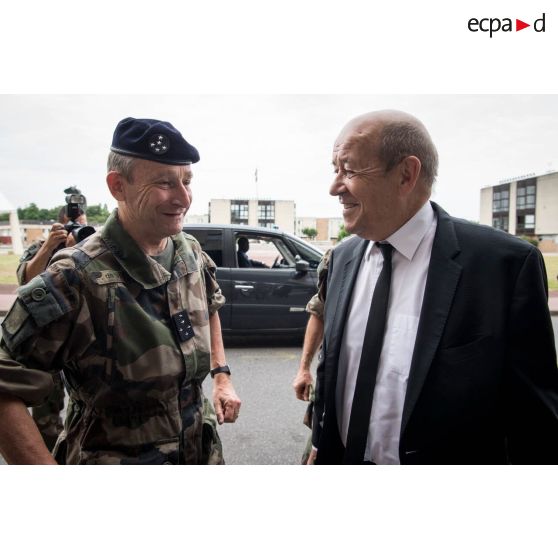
104,312
316,306
46,416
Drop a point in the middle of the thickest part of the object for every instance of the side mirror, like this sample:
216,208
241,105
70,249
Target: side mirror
302,266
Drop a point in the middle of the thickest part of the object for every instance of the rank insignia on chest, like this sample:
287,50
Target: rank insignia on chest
183,326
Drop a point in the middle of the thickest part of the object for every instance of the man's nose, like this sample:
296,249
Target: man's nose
337,186
184,196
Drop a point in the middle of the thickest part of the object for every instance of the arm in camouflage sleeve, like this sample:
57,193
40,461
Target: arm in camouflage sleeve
36,258
225,400
20,440
36,335
314,333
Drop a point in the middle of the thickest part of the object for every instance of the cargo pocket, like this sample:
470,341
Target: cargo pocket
212,448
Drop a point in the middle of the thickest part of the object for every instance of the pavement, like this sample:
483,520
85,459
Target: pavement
7,297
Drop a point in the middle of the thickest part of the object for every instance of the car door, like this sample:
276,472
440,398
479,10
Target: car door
272,296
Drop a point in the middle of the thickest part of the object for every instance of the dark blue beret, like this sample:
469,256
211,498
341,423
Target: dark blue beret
153,140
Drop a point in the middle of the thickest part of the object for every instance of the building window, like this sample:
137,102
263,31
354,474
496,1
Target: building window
266,213
501,222
501,200
501,207
239,212
526,223
526,194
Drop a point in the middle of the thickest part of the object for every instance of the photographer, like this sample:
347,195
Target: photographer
33,262
35,259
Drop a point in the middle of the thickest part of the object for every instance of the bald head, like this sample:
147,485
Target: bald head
384,166
393,135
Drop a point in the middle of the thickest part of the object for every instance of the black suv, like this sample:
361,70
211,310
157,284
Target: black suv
266,275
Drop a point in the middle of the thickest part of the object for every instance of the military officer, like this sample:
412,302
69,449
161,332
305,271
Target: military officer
130,315
303,383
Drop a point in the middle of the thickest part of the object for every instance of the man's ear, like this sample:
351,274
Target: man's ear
115,182
409,172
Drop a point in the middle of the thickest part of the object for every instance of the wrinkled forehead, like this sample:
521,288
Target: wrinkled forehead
353,146
148,170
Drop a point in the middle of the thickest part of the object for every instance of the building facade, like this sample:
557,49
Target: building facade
30,231
524,206
254,212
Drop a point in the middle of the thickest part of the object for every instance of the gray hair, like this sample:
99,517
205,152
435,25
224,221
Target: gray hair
402,139
122,164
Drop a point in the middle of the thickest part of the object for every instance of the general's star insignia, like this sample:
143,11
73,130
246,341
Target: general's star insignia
159,144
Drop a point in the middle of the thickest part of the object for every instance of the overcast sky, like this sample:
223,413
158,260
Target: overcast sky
48,142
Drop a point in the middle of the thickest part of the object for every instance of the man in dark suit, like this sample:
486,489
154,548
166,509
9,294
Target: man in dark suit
438,344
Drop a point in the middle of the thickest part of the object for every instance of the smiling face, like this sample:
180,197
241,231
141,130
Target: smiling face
369,194
153,203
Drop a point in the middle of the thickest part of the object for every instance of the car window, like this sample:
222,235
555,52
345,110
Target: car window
261,251
306,253
211,243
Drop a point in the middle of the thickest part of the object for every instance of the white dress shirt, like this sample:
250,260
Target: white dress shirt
412,245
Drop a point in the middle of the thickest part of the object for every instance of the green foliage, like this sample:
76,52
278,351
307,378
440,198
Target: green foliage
97,213
310,232
34,213
531,239
342,233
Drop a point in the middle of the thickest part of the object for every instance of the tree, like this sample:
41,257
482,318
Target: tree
29,213
342,233
310,232
97,213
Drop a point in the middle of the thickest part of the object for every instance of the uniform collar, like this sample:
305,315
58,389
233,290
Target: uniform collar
140,267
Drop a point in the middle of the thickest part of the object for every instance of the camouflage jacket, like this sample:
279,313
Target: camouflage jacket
316,303
29,254
109,317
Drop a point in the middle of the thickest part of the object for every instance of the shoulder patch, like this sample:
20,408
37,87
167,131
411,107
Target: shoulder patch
41,302
16,327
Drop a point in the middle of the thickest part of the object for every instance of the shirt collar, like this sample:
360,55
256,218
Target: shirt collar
407,238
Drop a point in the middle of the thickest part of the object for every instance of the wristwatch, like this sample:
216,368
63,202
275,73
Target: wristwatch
220,370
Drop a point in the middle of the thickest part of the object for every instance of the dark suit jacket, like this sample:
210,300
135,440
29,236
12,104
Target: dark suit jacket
483,383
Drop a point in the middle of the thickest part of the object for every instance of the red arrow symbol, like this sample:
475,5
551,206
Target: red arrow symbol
519,25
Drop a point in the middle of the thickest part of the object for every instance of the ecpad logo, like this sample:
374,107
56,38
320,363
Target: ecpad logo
493,25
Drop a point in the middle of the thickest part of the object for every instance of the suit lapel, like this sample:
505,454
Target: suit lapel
441,284
343,288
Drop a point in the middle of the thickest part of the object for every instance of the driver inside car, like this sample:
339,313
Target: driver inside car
242,254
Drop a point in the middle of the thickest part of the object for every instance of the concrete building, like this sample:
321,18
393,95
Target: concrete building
255,212
29,231
524,206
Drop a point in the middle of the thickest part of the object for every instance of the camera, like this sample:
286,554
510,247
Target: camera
76,204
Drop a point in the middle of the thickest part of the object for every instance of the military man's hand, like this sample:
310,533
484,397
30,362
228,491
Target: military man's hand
302,383
226,402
